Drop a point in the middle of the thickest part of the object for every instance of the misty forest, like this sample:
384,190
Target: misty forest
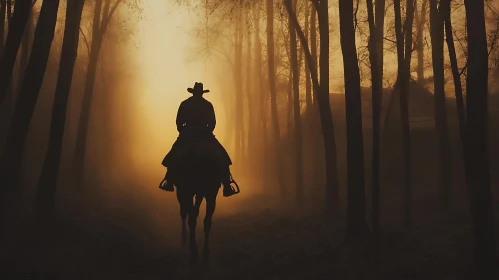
363,136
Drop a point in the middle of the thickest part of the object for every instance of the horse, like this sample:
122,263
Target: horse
196,174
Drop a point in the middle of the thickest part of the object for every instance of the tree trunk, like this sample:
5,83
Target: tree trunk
322,97
262,92
480,197
289,89
3,8
421,20
377,91
249,150
461,114
26,44
404,105
237,82
47,184
14,36
273,94
239,90
93,58
437,53
296,108
313,36
240,108
99,28
403,78
379,9
308,86
445,11
356,215
314,118
332,195
84,119
11,159
300,54
6,113
289,103
9,11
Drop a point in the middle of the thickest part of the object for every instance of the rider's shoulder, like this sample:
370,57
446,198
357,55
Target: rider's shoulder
188,100
196,100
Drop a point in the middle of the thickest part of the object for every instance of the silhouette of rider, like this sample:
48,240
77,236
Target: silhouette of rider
196,117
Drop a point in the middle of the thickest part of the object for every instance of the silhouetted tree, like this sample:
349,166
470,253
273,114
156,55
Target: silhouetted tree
322,96
3,8
437,53
26,44
296,107
10,162
238,65
332,190
14,36
403,79
273,92
308,85
377,91
284,27
262,92
380,27
261,97
480,197
101,19
445,11
356,214
420,24
315,112
313,36
47,183
289,90
9,11
250,96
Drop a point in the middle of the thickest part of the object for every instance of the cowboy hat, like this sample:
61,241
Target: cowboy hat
198,88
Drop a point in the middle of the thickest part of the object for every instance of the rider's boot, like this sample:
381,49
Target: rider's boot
227,178
167,183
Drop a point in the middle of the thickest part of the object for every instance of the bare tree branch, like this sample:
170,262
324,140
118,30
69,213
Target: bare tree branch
107,19
85,40
304,44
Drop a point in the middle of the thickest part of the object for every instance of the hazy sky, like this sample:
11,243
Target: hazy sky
167,67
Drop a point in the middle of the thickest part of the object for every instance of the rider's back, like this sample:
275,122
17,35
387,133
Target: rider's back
196,111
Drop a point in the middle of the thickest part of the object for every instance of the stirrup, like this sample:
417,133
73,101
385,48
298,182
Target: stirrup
165,186
232,189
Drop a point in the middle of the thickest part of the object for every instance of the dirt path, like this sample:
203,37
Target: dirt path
258,244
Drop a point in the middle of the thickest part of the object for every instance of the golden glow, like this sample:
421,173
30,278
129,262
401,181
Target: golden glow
167,64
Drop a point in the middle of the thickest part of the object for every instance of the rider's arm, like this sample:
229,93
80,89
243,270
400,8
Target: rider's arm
180,117
212,121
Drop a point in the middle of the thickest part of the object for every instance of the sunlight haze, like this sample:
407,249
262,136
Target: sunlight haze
168,65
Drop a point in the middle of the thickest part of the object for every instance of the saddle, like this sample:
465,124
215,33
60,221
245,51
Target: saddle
196,153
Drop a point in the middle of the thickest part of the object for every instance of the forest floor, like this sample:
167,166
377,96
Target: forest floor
262,242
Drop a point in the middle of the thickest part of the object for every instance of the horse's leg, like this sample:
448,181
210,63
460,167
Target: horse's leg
210,210
184,207
193,215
